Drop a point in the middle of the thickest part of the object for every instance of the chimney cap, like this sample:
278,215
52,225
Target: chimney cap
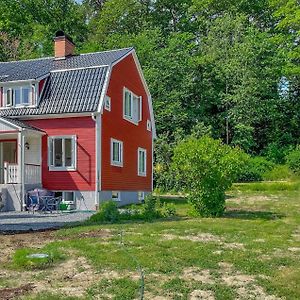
60,34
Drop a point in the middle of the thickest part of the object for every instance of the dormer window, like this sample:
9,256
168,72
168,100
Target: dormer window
19,96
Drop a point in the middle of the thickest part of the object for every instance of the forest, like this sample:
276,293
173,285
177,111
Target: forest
229,69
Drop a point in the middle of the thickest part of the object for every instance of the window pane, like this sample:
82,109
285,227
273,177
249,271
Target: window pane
17,97
51,143
116,152
128,108
58,152
142,162
68,153
68,196
25,95
8,97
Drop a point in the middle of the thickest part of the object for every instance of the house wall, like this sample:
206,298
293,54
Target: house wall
125,74
83,179
33,155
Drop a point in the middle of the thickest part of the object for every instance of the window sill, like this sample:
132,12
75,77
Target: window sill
142,175
116,164
130,120
61,169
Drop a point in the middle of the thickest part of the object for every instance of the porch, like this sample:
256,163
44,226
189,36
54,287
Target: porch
20,160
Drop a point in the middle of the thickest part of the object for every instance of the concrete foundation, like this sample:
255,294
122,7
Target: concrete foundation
85,200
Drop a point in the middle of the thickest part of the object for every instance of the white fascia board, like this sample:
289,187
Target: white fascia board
107,81
147,91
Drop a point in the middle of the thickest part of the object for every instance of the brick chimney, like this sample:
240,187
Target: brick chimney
63,45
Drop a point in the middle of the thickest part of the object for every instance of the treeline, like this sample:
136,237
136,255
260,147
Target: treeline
225,68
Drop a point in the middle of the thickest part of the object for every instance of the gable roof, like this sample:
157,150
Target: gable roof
37,68
73,84
68,91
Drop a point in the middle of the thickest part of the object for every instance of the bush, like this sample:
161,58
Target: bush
151,208
255,168
279,172
293,160
206,168
108,213
168,210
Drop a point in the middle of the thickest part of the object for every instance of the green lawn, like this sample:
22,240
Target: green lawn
251,253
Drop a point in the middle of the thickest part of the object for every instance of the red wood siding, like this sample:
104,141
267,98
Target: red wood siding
84,177
125,74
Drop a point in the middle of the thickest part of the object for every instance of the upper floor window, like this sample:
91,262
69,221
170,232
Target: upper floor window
107,103
116,153
19,96
132,107
62,153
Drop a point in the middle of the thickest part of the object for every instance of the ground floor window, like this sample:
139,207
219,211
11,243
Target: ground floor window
141,196
62,152
116,196
142,158
67,200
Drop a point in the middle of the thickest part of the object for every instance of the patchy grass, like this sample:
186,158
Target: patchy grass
250,253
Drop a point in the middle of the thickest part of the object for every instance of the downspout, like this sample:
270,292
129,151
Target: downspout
96,117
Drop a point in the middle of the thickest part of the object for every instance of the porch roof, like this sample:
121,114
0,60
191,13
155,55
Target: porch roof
15,124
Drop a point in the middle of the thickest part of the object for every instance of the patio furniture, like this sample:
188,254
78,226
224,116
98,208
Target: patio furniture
42,200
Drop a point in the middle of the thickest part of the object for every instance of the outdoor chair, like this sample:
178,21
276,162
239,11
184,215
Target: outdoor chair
42,200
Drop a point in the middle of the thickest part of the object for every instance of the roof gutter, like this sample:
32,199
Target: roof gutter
96,117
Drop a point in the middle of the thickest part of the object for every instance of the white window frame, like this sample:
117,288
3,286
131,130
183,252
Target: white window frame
149,125
135,119
51,151
118,199
33,95
5,90
112,161
144,174
107,103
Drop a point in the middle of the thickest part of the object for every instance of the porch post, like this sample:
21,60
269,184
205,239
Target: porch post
21,173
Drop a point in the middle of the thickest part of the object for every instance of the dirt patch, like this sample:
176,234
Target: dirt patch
202,294
12,293
9,243
101,233
294,249
234,246
201,237
196,274
254,292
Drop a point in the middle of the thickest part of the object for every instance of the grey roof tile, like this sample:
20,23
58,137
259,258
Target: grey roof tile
73,84
33,69
70,91
20,124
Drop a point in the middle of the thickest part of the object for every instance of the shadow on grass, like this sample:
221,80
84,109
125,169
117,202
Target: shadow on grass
252,215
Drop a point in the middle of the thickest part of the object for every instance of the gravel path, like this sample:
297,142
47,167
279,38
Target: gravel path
13,222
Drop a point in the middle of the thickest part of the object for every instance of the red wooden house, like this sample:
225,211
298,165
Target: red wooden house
79,125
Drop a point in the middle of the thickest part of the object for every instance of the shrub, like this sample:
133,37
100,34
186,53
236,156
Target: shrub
293,160
279,172
206,168
151,208
108,213
168,210
255,168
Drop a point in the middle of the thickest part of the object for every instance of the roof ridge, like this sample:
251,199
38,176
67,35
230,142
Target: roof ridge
97,52
78,68
52,57
23,60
